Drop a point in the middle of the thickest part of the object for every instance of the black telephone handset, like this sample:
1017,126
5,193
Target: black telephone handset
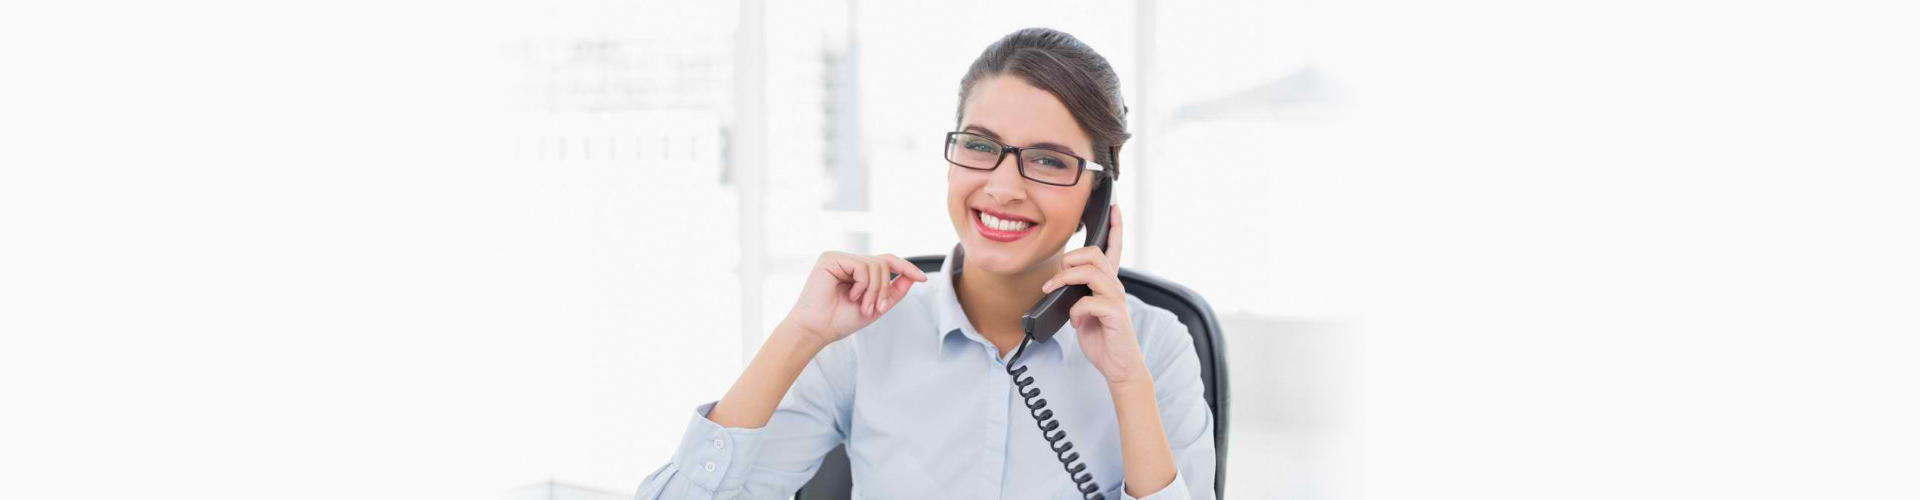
1046,316
1045,319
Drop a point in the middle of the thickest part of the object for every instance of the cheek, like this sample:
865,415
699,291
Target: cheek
956,193
958,188
1063,218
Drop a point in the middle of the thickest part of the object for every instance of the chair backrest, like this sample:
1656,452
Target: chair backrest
834,479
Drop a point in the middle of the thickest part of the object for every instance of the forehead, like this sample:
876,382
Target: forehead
1022,115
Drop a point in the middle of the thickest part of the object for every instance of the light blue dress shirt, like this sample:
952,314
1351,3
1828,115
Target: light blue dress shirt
927,411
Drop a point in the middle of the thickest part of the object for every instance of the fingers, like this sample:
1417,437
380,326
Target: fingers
897,287
1079,312
1115,235
876,280
1102,283
1102,309
1091,267
903,267
871,286
846,269
1089,256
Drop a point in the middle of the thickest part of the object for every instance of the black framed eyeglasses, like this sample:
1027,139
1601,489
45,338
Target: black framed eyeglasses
1042,165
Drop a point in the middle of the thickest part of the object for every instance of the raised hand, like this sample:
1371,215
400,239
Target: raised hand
846,292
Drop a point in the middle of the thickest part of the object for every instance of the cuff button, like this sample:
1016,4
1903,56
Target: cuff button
709,466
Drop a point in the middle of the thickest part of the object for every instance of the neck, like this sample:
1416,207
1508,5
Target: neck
994,302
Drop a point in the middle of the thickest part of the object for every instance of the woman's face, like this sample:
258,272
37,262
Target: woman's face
1008,109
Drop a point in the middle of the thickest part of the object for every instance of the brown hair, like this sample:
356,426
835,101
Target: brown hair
1070,70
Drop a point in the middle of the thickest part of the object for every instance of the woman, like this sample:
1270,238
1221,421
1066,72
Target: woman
914,379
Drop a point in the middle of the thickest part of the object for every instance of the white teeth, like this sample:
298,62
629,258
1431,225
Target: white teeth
997,223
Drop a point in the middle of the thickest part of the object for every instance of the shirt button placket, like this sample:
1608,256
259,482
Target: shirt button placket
999,387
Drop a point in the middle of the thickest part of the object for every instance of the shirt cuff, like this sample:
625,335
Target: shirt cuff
1176,490
716,458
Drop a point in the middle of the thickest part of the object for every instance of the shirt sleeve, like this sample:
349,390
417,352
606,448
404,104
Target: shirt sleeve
1184,416
1176,490
772,461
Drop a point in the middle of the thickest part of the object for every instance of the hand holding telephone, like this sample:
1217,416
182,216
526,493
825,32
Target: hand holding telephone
1045,317
1042,321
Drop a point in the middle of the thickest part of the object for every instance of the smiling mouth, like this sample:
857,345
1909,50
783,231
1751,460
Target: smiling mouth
1001,230
999,224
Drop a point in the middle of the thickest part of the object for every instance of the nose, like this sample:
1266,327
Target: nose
1004,183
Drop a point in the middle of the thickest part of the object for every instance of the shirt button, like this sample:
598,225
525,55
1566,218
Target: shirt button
718,444
709,466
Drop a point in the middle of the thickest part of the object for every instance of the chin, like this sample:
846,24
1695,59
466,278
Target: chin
993,260
999,258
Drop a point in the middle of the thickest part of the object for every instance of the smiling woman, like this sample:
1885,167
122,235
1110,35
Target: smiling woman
913,380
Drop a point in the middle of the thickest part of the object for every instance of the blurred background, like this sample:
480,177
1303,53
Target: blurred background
502,249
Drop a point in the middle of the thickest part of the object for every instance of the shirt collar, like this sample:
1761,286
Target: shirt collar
951,321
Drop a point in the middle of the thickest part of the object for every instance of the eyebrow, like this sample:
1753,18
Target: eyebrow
1041,145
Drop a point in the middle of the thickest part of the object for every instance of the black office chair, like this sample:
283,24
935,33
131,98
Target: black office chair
834,479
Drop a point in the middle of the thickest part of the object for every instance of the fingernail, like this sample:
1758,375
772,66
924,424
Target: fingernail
883,304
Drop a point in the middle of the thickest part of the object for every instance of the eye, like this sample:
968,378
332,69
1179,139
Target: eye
1049,160
981,146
